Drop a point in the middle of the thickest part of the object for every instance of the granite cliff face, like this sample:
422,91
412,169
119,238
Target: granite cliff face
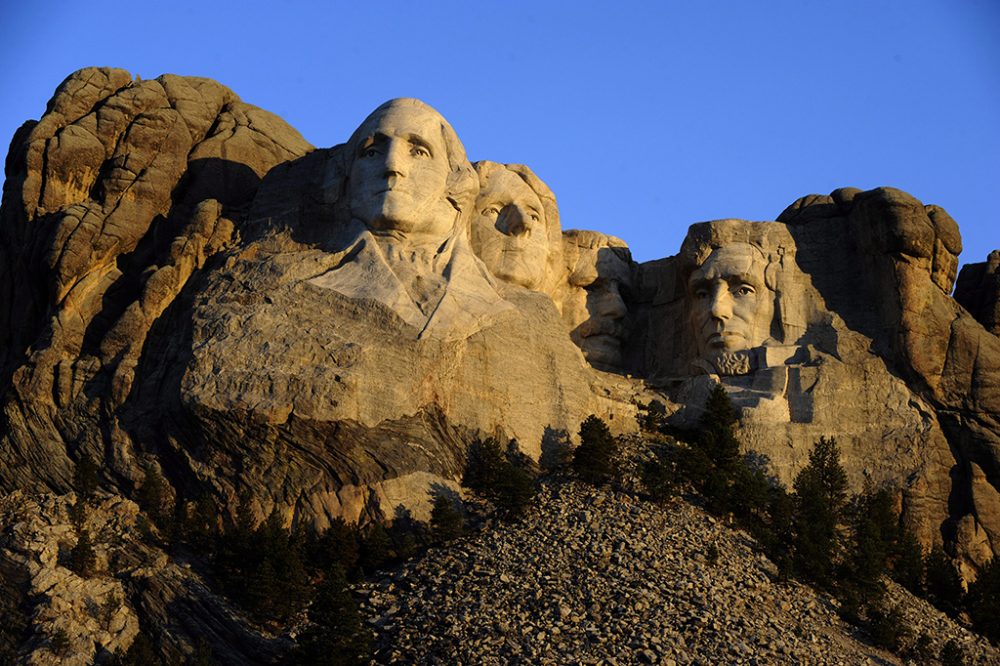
188,283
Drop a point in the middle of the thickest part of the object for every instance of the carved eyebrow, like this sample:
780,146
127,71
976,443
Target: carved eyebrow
420,141
371,140
744,278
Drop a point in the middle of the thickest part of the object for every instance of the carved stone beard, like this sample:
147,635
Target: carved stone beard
734,363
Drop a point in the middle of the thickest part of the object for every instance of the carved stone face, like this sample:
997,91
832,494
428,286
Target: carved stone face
594,307
731,306
399,174
509,230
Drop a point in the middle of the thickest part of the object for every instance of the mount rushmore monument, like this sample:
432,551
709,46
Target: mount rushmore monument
187,284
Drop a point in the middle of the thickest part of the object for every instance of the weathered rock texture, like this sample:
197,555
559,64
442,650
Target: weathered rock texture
113,201
865,345
260,337
575,587
978,291
133,578
186,281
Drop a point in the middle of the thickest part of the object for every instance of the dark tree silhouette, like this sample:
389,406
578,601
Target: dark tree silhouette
593,460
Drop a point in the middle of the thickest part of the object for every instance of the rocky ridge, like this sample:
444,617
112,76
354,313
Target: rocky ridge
595,576
136,583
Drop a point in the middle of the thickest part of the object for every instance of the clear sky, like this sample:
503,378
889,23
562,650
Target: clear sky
643,117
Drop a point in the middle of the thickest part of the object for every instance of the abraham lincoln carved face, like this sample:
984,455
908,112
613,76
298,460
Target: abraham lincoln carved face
731,305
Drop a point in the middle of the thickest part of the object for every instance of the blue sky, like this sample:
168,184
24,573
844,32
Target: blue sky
643,117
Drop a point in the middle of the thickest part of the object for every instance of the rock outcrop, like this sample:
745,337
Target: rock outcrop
97,615
850,332
978,291
186,282
676,587
189,281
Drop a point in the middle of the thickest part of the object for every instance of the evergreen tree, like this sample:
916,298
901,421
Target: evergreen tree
820,497
82,558
983,601
652,417
484,466
944,586
887,627
875,533
952,654
446,519
280,577
516,486
716,437
505,478
339,544
908,562
142,652
336,635
659,476
85,477
155,498
593,460
201,522
375,548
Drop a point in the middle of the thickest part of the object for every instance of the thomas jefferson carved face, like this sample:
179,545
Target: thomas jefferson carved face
399,173
731,306
509,230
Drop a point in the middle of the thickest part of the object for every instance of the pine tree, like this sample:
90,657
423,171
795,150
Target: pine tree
983,601
484,466
155,498
375,548
593,460
505,478
339,544
85,477
446,519
716,435
875,534
659,476
944,586
908,562
952,654
82,558
336,635
820,498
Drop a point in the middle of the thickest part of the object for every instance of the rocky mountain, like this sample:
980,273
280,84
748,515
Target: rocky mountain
189,290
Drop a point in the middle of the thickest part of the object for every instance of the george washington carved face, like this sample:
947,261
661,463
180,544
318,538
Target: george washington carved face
401,166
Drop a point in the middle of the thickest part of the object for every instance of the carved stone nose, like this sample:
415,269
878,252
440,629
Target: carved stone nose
612,305
515,221
394,163
722,304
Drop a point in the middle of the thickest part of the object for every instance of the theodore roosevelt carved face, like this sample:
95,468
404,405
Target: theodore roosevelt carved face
731,305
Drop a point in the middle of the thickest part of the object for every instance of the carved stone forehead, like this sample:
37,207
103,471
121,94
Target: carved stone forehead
507,182
735,259
408,115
